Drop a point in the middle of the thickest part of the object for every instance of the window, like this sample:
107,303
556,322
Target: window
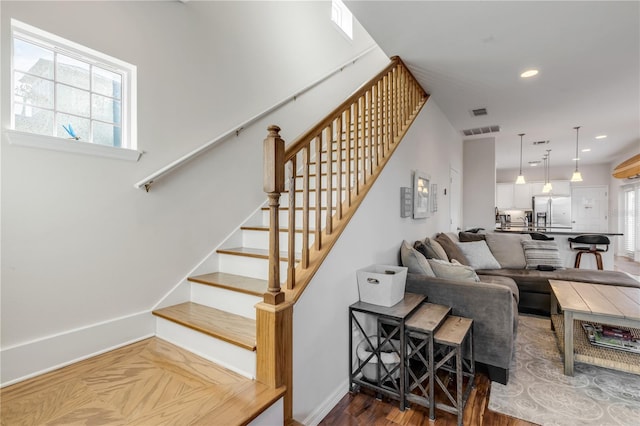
64,90
342,17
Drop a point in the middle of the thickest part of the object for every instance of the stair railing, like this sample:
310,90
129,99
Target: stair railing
327,171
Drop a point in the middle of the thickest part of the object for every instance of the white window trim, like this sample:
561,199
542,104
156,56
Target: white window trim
86,54
33,140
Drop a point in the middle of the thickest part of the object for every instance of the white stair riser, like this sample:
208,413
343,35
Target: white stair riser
233,357
249,266
260,239
230,301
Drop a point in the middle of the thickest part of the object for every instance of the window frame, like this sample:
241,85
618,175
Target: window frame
128,101
343,18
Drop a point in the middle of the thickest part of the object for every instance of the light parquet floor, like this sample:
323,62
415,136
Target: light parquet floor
151,382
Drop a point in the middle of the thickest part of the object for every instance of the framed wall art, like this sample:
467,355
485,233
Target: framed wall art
421,195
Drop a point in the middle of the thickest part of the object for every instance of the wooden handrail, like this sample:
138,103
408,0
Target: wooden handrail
334,163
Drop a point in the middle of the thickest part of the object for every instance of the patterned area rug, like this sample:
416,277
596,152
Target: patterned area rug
539,392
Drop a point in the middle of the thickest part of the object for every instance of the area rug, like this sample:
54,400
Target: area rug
539,392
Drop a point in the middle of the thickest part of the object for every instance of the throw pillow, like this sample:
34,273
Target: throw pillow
541,253
434,249
466,237
507,249
478,255
450,247
453,271
415,262
422,249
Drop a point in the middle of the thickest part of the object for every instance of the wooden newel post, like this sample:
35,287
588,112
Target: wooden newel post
273,186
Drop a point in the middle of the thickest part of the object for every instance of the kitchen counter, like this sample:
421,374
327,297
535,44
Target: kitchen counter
567,254
560,231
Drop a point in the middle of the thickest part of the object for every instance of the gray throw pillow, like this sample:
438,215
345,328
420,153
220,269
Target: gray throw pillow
478,255
415,262
507,249
453,270
542,253
466,237
434,249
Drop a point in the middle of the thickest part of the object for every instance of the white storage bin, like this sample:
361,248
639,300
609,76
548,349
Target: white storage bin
382,284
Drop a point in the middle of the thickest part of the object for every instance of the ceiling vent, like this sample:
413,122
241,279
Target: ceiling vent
479,112
481,130
534,163
540,142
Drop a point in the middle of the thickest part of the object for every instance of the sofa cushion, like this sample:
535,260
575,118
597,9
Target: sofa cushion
478,255
414,260
450,247
507,249
466,237
453,270
503,281
434,249
541,253
534,281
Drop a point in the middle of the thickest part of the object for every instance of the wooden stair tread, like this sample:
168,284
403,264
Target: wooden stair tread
254,252
231,328
238,283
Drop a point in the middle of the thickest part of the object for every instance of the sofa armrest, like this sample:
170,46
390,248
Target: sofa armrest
491,306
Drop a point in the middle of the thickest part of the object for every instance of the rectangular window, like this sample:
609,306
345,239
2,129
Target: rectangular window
342,17
631,218
66,90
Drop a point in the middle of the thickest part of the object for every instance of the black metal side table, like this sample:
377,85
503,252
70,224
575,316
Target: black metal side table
389,339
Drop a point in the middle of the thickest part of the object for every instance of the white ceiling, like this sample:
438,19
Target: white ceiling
469,55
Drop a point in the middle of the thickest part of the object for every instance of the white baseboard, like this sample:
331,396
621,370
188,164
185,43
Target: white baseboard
314,418
30,359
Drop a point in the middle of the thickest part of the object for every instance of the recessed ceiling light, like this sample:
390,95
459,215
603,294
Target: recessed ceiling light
575,159
586,150
601,136
529,73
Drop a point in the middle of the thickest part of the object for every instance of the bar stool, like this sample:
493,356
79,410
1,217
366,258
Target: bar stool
593,240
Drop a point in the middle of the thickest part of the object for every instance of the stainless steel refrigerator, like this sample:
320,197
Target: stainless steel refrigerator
552,211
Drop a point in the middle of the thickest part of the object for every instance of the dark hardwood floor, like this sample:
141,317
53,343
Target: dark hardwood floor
364,409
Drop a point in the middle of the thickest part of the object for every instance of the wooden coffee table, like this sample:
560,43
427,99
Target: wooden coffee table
605,304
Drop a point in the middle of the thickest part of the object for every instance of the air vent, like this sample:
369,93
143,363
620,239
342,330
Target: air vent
481,130
479,111
534,163
540,142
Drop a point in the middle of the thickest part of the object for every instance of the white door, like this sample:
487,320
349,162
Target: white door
455,197
590,208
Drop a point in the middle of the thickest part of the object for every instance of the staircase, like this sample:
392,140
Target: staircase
239,315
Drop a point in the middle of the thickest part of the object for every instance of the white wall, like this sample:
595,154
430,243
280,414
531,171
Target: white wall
373,236
82,247
479,183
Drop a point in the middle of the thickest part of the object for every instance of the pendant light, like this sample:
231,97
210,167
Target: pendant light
520,180
547,186
577,176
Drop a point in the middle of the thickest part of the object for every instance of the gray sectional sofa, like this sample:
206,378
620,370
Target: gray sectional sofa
492,297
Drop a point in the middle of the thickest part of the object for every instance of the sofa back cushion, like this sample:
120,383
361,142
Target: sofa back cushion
478,255
507,249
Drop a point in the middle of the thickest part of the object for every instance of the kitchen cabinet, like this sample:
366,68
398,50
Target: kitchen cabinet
504,196
522,196
559,187
512,196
